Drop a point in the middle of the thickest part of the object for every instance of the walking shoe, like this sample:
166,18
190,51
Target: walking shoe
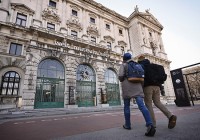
172,122
150,131
125,127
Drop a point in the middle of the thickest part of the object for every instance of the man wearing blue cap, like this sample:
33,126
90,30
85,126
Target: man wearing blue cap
133,90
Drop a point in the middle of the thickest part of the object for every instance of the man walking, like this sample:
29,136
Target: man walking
152,93
133,90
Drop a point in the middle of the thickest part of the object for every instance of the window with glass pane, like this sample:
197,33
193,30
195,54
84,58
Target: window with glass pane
93,39
92,20
52,3
21,19
10,83
107,26
111,77
15,49
74,33
120,31
51,68
85,73
122,50
74,13
109,45
50,26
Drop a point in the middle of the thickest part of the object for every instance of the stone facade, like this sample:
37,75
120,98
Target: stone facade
72,32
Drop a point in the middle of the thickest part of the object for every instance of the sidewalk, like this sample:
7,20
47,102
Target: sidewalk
56,111
61,111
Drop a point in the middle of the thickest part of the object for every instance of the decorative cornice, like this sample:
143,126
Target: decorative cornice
122,43
75,7
105,9
22,7
109,38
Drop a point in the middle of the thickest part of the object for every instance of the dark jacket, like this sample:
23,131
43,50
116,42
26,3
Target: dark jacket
145,64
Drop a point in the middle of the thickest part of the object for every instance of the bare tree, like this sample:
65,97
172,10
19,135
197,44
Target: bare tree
192,80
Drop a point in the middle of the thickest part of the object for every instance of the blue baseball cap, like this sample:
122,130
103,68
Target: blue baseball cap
127,56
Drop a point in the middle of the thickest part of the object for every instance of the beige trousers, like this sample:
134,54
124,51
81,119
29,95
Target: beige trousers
152,93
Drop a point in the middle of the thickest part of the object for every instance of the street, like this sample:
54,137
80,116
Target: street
102,126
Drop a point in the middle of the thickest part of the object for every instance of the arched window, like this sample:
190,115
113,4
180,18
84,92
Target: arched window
85,86
85,73
111,77
112,87
50,84
10,83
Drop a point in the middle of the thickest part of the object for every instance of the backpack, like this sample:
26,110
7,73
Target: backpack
134,72
155,74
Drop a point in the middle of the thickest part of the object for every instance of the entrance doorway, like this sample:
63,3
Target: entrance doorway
112,88
50,85
85,86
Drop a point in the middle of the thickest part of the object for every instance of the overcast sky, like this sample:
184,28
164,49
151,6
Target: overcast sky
181,22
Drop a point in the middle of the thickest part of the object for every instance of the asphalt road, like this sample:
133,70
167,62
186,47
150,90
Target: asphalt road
102,126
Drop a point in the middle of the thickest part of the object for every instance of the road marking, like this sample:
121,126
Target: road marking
46,120
30,122
18,123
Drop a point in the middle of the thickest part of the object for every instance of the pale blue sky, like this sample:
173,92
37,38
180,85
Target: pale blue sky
181,22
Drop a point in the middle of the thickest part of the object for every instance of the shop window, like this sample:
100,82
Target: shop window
15,49
52,3
10,83
50,26
21,19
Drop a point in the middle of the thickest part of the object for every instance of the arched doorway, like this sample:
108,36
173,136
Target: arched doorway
112,88
50,84
85,86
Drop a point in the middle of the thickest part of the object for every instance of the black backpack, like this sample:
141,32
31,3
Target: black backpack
134,72
155,74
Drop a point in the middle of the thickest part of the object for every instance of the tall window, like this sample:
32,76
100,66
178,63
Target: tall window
74,13
74,33
107,26
52,3
21,19
109,45
122,50
92,20
15,49
93,39
110,76
10,83
120,31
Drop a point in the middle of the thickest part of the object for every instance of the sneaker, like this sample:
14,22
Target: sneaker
172,122
125,127
150,131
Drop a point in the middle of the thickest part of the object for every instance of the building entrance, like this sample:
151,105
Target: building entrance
85,86
50,85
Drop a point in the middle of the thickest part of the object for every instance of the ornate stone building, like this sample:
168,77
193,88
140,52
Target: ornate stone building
64,53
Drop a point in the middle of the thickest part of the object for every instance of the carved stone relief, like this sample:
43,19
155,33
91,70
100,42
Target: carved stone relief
92,30
51,14
74,23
